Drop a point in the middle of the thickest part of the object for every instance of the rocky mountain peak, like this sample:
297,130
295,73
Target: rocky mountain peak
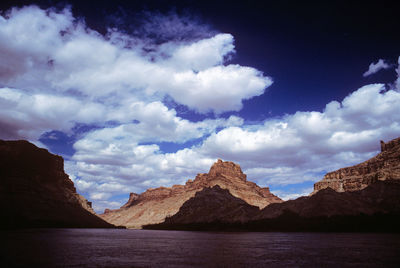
226,168
132,198
392,145
154,205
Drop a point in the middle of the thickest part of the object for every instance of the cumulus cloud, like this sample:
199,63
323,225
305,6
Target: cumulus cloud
26,115
290,150
56,73
376,67
52,52
344,133
204,53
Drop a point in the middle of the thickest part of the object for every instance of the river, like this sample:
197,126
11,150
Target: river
149,248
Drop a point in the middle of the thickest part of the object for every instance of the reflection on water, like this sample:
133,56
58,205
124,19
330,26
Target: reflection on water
145,248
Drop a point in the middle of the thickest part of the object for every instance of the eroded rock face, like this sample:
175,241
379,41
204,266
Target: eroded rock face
384,166
154,205
36,192
132,198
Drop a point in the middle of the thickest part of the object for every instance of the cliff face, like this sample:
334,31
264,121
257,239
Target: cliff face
384,166
36,192
154,205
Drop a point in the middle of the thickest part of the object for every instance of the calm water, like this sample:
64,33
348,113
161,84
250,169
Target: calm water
142,248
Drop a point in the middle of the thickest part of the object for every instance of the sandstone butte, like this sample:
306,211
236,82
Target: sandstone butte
382,167
154,205
36,192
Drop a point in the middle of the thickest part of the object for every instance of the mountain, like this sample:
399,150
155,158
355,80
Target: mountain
384,166
36,192
154,205
214,204
374,209
381,197
368,201
209,209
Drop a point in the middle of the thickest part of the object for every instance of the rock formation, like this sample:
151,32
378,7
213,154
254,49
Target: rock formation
36,192
365,197
213,204
154,205
375,208
384,166
379,197
132,198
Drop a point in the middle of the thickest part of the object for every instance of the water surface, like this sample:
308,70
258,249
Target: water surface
148,248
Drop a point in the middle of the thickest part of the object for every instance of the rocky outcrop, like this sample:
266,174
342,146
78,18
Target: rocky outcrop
131,201
384,166
36,192
375,208
154,205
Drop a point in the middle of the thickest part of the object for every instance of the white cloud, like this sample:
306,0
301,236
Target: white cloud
376,67
25,115
100,205
311,139
294,149
219,88
291,196
45,51
56,73
204,53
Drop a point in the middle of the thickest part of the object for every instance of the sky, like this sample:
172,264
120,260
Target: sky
142,94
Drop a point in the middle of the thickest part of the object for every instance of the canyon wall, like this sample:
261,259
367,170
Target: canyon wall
384,166
36,192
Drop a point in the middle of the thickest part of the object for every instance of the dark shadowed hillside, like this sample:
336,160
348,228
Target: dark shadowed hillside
365,197
376,208
36,192
214,204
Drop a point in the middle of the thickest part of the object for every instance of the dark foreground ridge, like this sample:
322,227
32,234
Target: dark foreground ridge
365,197
374,209
36,192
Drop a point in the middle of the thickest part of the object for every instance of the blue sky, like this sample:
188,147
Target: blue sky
148,94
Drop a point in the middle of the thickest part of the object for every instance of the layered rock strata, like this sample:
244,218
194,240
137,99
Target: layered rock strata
36,192
154,205
384,166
